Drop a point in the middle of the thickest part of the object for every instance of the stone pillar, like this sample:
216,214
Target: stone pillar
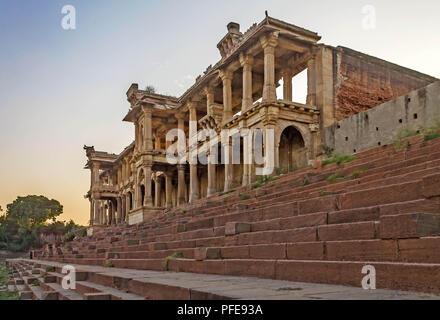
287,84
102,212
194,180
95,175
181,142
209,91
157,195
113,212
212,183
246,62
136,136
119,206
137,190
169,189
229,171
269,43
311,82
127,207
92,212
148,201
181,184
247,156
123,208
148,128
226,76
95,212
127,170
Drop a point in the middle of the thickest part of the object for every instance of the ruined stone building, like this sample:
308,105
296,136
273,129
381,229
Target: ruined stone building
240,92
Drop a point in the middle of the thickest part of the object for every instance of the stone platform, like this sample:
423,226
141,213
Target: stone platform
129,284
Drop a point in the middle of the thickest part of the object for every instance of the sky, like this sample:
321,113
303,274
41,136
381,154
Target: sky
61,89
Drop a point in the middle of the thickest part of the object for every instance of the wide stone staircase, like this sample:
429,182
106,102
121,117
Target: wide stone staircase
317,225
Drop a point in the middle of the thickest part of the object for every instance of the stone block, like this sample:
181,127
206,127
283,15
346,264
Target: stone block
233,228
26,295
268,251
431,186
406,226
97,296
50,279
49,295
132,242
201,254
305,251
347,231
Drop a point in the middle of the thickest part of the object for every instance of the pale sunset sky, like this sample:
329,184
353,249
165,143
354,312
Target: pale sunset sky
62,89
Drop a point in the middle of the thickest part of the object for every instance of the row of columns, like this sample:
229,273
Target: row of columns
144,137
109,212
268,44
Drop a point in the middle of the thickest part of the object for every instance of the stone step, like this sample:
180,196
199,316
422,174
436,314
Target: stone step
390,275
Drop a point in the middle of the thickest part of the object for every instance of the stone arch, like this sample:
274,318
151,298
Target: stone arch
292,150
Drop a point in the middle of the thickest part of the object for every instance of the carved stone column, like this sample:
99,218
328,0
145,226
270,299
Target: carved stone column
209,91
127,206
168,189
212,183
247,156
181,142
148,201
287,84
148,128
229,171
136,136
246,62
95,175
226,76
92,212
194,180
96,212
181,184
119,208
157,195
269,43
311,82
123,208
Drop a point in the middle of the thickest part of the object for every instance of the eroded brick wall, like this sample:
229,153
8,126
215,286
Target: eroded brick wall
363,82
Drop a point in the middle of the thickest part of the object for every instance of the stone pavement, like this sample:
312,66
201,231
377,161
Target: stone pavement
249,288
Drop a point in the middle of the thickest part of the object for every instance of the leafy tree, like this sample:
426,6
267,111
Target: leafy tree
33,211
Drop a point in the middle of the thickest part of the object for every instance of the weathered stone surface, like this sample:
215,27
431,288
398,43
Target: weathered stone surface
414,225
201,254
431,186
233,228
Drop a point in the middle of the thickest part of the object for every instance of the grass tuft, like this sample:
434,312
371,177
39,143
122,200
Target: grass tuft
334,177
175,255
244,197
357,172
339,159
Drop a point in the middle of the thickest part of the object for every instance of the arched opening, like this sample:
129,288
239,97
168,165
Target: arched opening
142,195
292,151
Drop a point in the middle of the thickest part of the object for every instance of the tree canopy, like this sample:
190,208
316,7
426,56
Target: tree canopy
27,217
32,211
